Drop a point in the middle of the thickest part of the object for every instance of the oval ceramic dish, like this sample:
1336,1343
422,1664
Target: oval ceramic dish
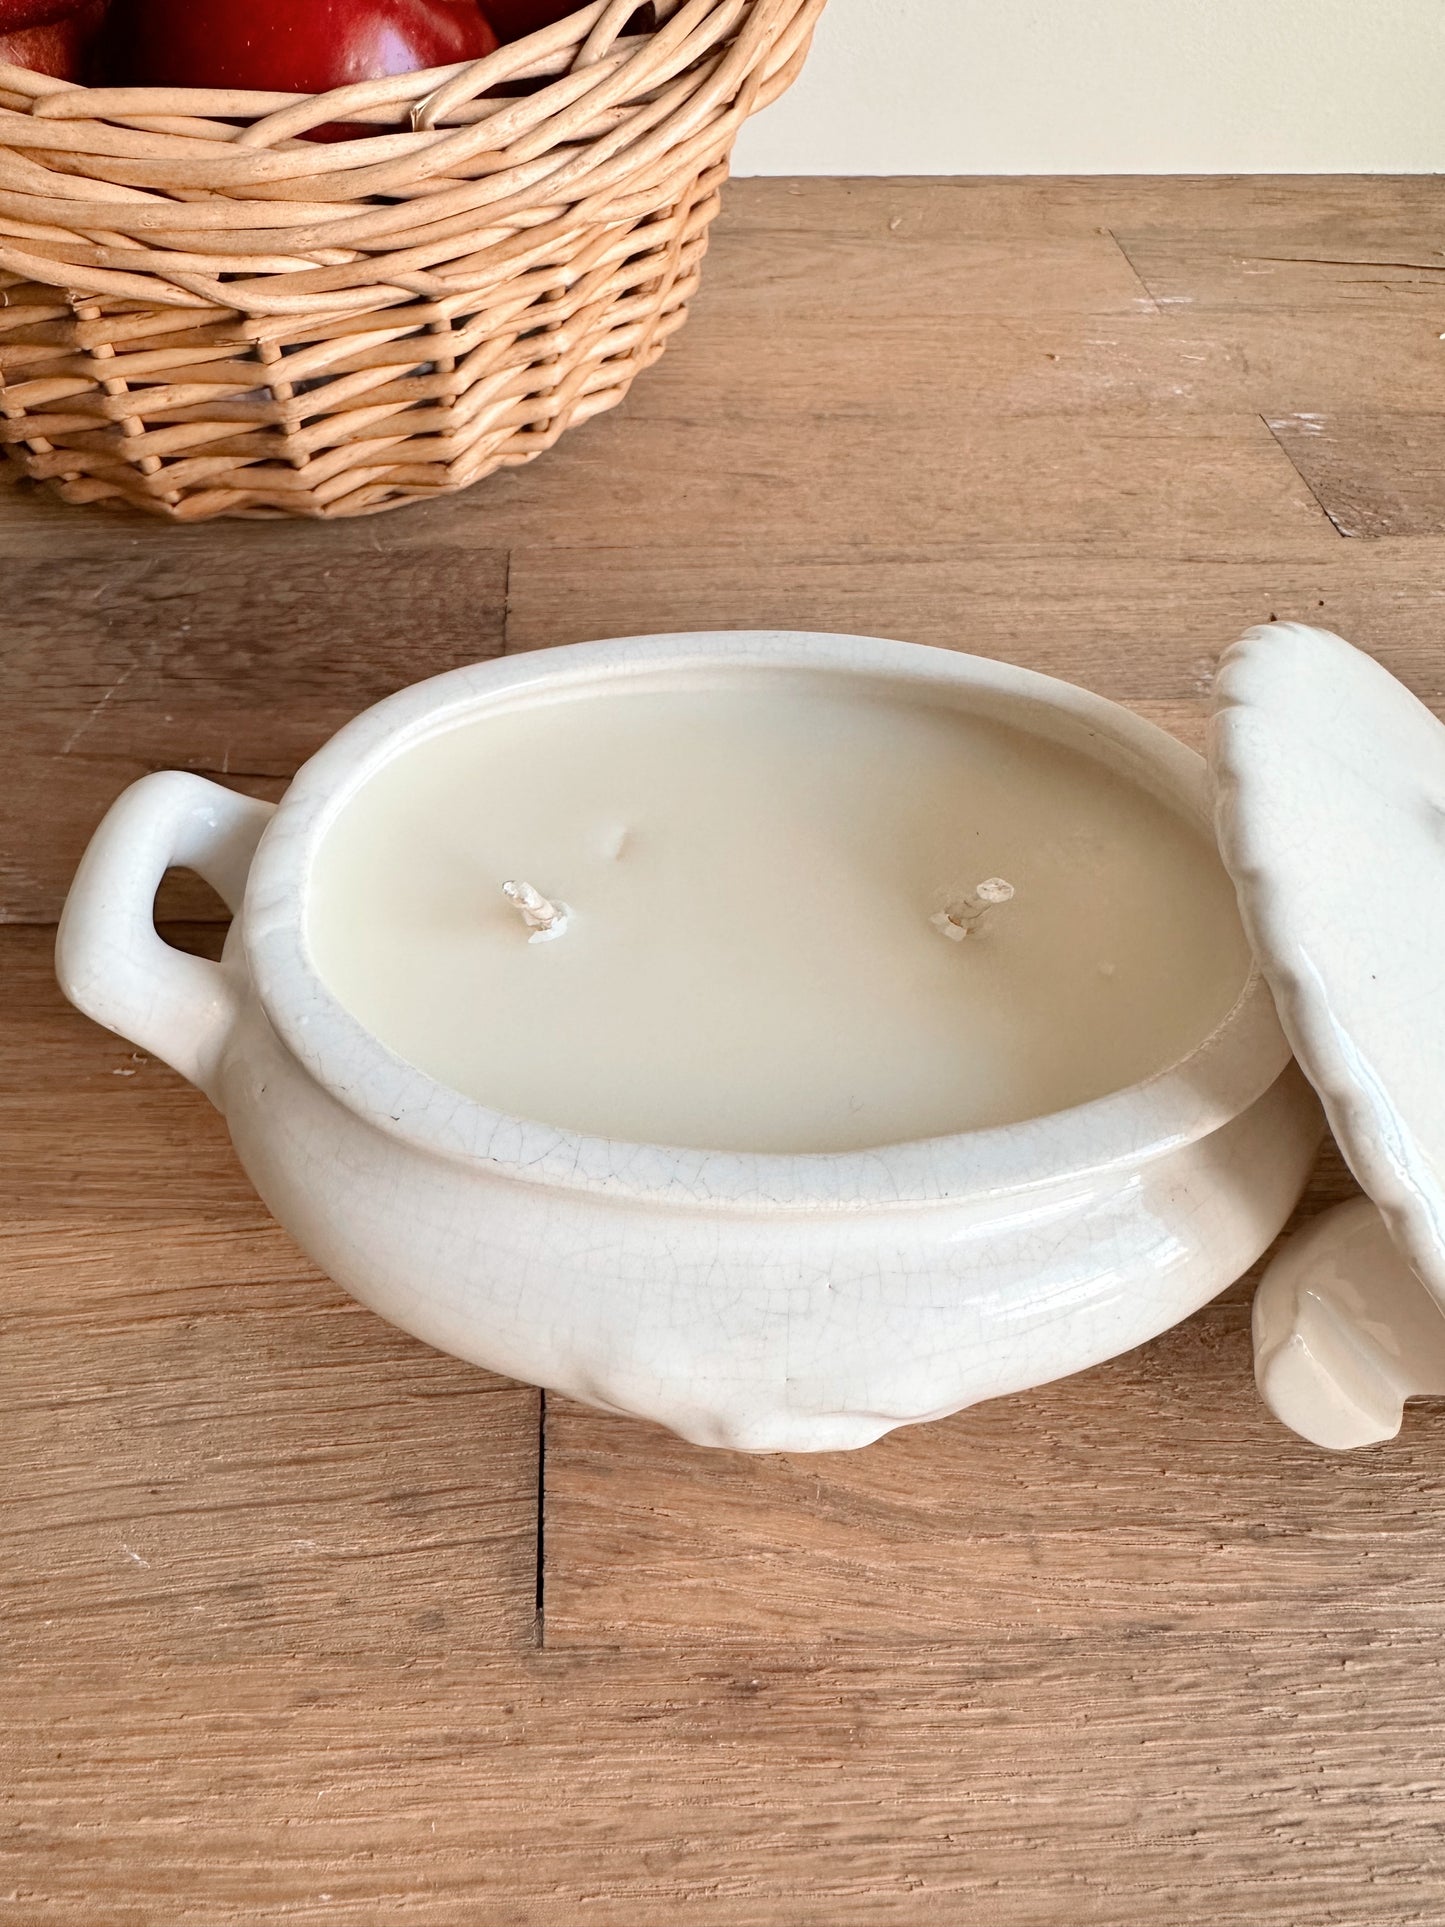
768,1303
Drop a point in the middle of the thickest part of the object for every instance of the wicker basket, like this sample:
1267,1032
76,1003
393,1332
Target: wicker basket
203,314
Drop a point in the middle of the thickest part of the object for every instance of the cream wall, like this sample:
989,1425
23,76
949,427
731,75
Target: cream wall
1113,86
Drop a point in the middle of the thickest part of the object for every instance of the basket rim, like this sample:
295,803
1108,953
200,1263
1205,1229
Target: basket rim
121,204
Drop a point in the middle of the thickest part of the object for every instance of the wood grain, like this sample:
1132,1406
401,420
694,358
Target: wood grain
1372,473
879,480
1137,629
197,650
1117,1652
245,1462
1249,1781
96,1133
242,1459
904,263
1025,211
1325,262
1171,359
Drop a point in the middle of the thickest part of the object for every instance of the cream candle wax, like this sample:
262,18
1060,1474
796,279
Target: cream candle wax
745,914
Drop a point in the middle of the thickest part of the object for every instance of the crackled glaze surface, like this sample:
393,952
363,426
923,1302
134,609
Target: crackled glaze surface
1330,780
1330,794
1344,1332
764,1302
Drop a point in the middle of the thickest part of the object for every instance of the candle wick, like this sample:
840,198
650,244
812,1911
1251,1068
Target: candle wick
542,917
966,918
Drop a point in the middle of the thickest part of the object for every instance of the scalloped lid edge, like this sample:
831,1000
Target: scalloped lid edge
1329,786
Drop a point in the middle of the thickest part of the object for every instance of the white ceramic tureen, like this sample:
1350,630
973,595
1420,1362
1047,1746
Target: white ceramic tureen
762,1301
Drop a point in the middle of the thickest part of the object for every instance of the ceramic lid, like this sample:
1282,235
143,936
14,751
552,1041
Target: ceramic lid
1330,803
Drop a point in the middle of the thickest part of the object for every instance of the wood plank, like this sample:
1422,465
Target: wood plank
1154,1493
209,1447
1373,473
1322,264
233,652
212,1451
822,395
1174,360
878,249
1248,1781
887,482
903,262
1024,209
1145,631
94,1131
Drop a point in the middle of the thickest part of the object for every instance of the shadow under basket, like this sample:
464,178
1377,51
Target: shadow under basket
204,313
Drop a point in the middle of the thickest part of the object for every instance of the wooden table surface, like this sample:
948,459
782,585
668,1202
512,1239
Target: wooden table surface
305,1623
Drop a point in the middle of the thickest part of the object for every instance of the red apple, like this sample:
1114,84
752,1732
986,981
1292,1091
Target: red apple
53,46
292,46
15,14
515,18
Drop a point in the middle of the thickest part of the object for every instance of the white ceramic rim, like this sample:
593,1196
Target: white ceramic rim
1228,1071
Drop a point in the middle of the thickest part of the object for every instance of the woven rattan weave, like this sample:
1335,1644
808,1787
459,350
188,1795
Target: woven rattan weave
202,313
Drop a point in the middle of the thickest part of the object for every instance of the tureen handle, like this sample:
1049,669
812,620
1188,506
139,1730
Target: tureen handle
1344,1331
109,957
